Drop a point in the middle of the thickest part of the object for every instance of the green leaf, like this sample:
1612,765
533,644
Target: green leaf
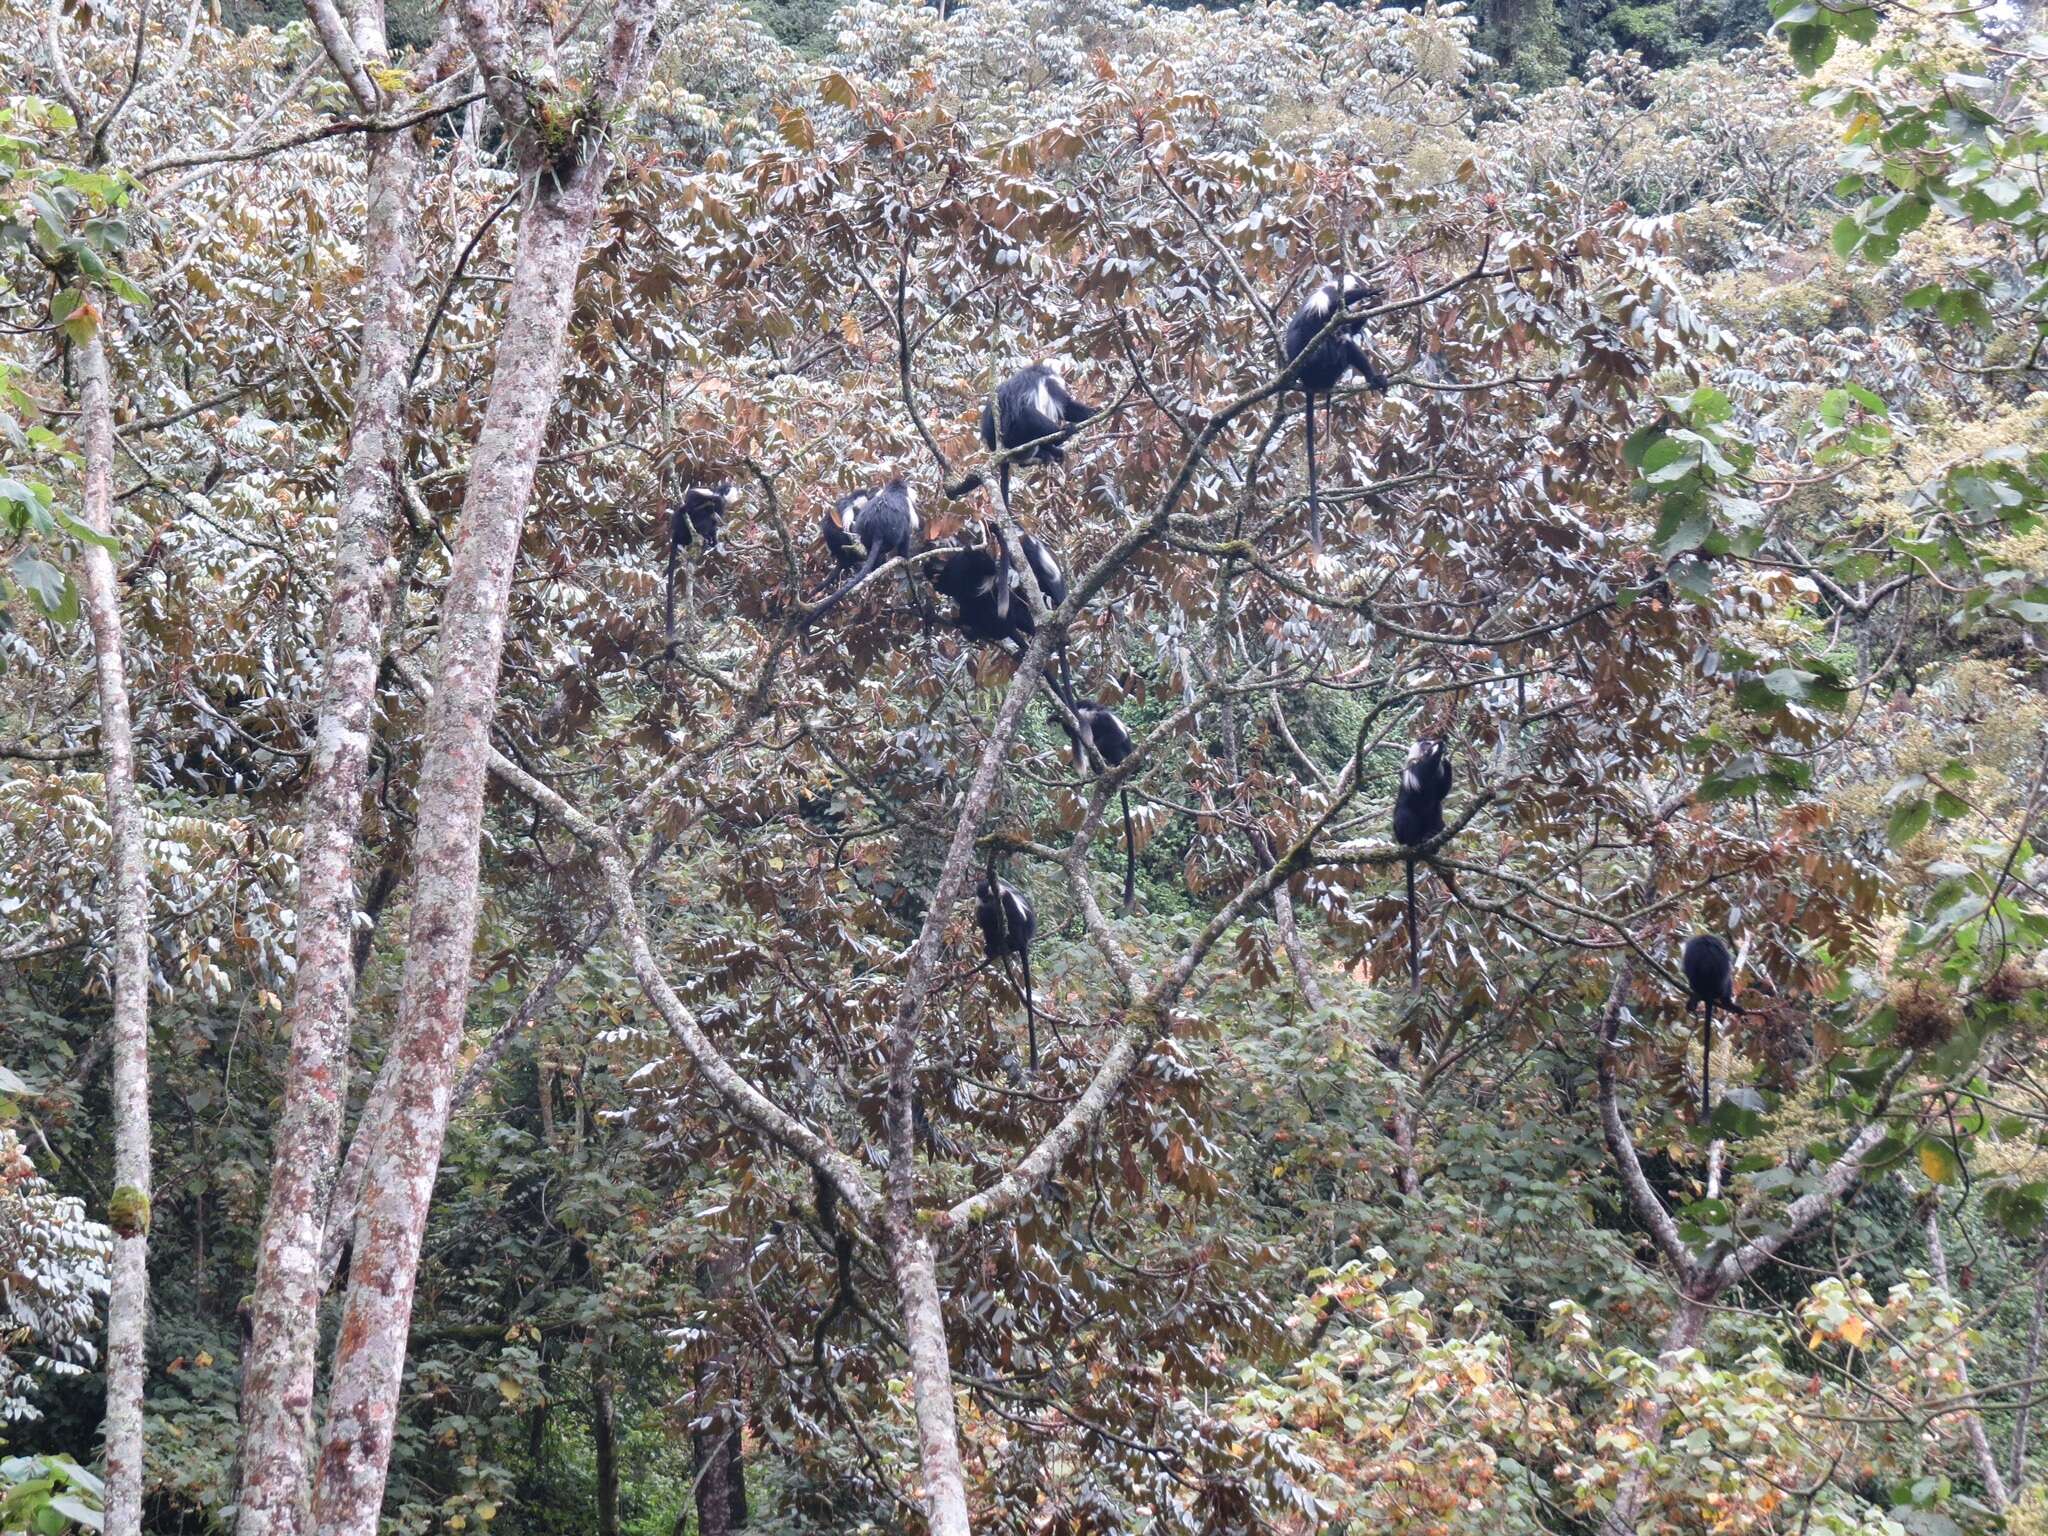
1938,1160
84,532
78,1511
1811,45
50,590
1909,819
1682,529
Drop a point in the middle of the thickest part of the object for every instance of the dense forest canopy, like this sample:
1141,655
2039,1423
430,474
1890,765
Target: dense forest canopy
501,1026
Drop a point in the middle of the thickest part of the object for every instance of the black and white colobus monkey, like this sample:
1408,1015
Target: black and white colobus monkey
1112,740
1008,925
884,525
694,516
1328,361
984,589
840,543
1710,983
1032,406
1419,816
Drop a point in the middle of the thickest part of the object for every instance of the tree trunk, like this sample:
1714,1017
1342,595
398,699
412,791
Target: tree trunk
711,1453
128,1297
604,1425
735,1469
2017,1474
715,1451
1973,1421
1687,1325
931,1382
370,1353
285,1302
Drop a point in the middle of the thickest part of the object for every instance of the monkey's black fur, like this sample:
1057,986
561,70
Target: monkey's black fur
1101,728
1008,925
1418,817
884,525
1710,982
842,1254
1327,362
1033,406
698,512
838,519
984,589
694,516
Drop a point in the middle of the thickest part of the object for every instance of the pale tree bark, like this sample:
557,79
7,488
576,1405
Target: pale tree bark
911,1261
2016,1475
562,200
284,1305
1973,1421
342,1205
128,1297
902,1232
931,1380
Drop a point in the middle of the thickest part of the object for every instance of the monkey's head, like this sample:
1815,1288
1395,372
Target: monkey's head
1428,769
847,507
1359,293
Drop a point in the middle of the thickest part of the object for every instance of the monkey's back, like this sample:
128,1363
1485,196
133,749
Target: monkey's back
1416,818
1327,360
1709,969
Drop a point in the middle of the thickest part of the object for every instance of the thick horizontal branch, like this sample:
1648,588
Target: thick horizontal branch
332,130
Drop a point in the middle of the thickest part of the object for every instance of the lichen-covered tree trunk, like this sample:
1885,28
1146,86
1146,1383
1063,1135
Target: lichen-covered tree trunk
1688,1322
2016,1474
284,1306
128,1299
931,1382
604,1424
1973,1421
720,1483
370,1353
719,1492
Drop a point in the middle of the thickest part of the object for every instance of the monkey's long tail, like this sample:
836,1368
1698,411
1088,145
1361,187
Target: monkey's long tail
1066,676
1414,948
1707,1064
1315,512
1062,686
1130,855
670,648
842,1252
1030,1010
873,564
